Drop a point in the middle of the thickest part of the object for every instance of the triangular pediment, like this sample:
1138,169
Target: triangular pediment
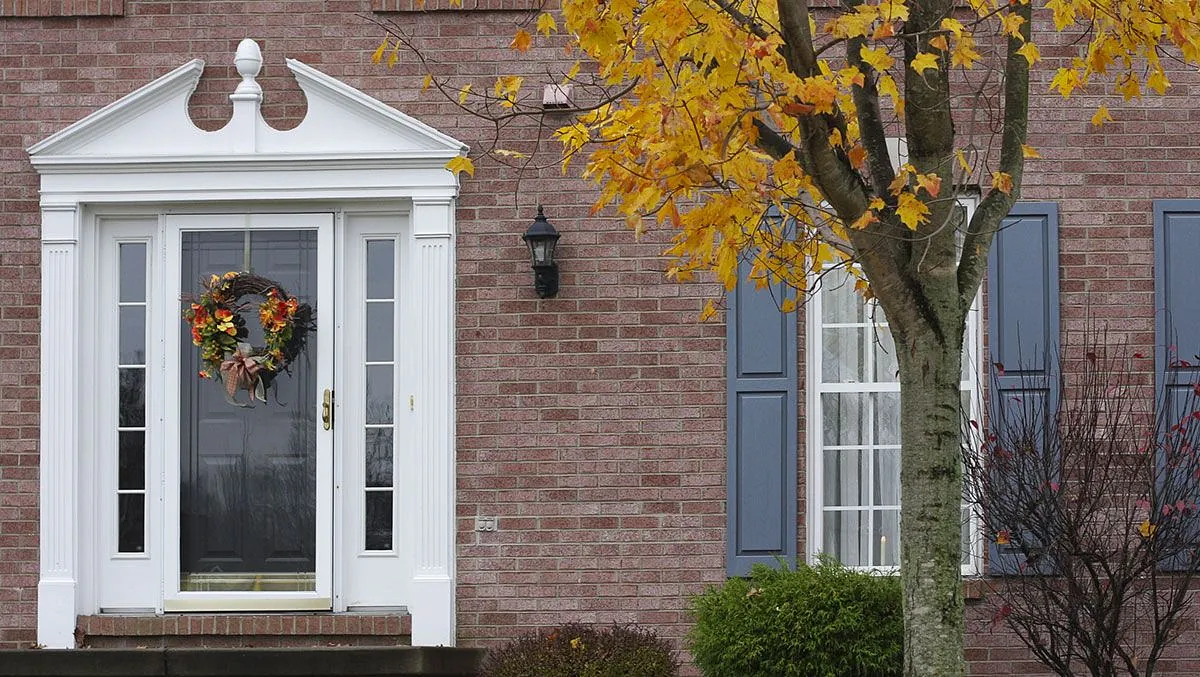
152,125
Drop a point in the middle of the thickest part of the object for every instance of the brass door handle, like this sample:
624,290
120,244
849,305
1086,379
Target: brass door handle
327,410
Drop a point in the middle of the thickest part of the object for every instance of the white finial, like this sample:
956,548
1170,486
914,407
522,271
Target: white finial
249,62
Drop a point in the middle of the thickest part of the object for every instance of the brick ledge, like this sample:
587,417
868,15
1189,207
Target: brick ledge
246,629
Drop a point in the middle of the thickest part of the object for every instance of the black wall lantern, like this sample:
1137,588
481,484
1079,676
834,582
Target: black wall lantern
542,238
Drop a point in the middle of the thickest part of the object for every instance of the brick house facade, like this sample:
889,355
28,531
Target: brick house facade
593,425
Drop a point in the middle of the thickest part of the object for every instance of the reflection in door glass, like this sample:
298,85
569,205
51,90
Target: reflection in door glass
248,473
380,338
131,398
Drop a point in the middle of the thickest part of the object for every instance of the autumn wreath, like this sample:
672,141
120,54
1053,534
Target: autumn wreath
219,329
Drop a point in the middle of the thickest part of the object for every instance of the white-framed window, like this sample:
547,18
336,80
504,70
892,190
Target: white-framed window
853,431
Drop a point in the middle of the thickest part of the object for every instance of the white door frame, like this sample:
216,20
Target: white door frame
142,153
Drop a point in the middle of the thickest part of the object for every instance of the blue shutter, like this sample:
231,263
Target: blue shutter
762,426
1023,326
1176,309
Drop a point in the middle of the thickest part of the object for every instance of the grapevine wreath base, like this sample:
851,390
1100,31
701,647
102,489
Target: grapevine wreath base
219,329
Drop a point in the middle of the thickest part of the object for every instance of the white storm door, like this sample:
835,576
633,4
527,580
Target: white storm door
249,485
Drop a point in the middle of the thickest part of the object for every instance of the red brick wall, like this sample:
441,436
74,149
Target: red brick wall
61,8
591,425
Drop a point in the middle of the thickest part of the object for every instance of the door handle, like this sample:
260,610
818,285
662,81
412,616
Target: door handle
327,410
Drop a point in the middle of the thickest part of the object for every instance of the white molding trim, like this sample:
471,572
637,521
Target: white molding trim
143,153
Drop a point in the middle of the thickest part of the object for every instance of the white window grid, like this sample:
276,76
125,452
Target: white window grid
872,323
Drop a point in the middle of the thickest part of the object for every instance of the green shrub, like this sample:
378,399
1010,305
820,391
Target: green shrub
822,621
577,650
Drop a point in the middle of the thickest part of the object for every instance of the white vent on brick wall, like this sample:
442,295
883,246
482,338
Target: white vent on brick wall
556,97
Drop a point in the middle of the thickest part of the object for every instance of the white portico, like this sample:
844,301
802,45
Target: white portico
158,496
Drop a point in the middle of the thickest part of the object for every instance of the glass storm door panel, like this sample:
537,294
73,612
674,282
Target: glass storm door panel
248,470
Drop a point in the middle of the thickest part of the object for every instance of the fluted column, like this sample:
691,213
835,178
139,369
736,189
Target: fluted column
59,428
433,607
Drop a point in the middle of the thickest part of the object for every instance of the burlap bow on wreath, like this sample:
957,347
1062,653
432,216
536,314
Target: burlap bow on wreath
219,329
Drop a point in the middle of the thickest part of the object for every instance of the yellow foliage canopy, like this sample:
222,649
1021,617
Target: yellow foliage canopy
713,92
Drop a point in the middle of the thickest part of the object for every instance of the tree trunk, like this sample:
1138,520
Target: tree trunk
931,498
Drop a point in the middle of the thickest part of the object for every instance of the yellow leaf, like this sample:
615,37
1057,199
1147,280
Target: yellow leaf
709,312
426,82
378,55
394,56
788,305
893,10
954,26
964,53
462,93
574,72
877,57
1147,529
1029,151
461,163
911,210
521,41
876,203
1101,116
546,24
887,87
1002,537
939,43
923,62
456,3
1030,52
1158,81
857,156
868,217
962,161
1066,80
504,152
1012,24
931,183
1002,182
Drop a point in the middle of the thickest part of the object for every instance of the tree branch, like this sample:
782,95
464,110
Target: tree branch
870,118
997,204
742,19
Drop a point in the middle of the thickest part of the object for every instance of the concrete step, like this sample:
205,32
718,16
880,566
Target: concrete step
258,662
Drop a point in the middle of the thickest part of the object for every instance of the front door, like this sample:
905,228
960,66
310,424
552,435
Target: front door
254,477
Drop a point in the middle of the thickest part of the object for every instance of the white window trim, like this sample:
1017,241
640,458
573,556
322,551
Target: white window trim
814,430
143,155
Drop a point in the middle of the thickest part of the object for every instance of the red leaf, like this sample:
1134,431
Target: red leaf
1003,612
1140,356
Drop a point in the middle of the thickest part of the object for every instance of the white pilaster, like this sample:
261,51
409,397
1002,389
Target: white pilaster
59,428
433,604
